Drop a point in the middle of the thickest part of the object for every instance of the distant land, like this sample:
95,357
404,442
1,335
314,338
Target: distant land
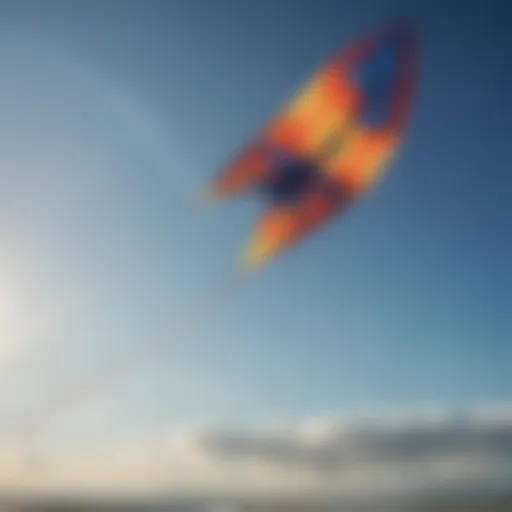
469,504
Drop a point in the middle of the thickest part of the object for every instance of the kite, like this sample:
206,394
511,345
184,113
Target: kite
332,141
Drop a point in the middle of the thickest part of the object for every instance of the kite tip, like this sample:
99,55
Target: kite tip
250,263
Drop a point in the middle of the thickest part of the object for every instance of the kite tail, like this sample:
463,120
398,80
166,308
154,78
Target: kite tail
190,317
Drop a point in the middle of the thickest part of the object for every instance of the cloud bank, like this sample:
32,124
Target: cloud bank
391,454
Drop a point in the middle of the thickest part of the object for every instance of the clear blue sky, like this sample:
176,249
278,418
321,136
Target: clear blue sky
406,300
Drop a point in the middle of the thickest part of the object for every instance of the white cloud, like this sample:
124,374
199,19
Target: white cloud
351,457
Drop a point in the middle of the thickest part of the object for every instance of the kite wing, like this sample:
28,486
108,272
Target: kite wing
325,104
246,170
281,226
382,68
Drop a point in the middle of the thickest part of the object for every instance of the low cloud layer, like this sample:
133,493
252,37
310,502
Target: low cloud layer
391,454
335,445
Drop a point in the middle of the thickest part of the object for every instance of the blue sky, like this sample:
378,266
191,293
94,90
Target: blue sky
117,113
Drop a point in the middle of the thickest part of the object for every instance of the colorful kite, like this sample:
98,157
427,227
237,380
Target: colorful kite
329,144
